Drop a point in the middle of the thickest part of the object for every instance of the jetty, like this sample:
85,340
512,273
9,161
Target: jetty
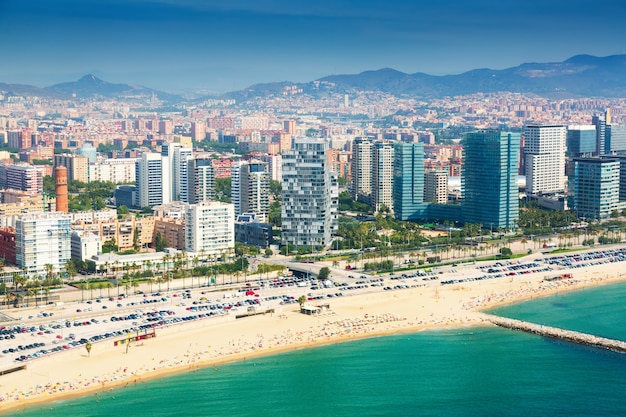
556,333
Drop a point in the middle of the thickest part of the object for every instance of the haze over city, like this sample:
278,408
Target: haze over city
223,46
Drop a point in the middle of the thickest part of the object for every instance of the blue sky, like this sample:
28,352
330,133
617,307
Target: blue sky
223,45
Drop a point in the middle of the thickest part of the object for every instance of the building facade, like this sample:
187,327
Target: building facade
250,189
309,206
151,173
42,239
489,183
595,187
408,181
201,185
544,149
210,228
436,187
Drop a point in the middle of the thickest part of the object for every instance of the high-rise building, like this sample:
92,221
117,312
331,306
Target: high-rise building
250,189
24,177
362,151
152,174
615,138
210,228
489,181
382,176
42,239
600,123
198,130
201,180
77,166
436,187
175,156
408,181
274,166
581,140
595,187
544,149
309,207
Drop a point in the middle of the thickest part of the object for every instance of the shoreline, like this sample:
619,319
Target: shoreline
223,341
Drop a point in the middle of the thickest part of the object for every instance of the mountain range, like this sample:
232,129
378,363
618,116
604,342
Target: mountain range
578,76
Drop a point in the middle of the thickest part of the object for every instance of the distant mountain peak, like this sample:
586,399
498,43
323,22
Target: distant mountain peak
90,78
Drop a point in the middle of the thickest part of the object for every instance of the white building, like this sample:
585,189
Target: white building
544,149
274,166
115,170
43,239
250,188
201,180
210,228
309,207
85,245
153,180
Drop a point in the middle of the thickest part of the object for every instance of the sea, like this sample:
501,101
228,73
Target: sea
474,371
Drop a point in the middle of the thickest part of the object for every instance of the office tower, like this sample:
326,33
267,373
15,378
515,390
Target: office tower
309,207
250,189
198,130
152,175
382,176
60,179
489,180
615,138
24,177
600,124
42,239
581,140
595,187
408,181
436,187
545,158
77,166
362,151
201,180
210,228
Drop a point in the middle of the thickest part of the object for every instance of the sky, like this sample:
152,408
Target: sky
226,45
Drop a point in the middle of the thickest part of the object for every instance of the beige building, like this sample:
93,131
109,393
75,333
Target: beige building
172,230
436,187
122,232
77,166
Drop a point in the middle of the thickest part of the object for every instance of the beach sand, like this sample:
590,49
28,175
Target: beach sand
216,341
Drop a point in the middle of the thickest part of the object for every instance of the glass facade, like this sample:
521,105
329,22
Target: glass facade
408,181
489,183
596,187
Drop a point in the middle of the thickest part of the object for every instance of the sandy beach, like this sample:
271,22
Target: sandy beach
216,341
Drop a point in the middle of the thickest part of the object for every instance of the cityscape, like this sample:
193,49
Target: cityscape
270,172
399,208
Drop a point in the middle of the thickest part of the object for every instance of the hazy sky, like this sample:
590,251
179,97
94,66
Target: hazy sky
223,45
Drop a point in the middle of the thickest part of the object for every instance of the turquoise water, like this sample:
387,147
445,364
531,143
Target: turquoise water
466,372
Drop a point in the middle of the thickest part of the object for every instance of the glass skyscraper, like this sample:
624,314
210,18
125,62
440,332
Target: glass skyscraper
408,181
489,183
